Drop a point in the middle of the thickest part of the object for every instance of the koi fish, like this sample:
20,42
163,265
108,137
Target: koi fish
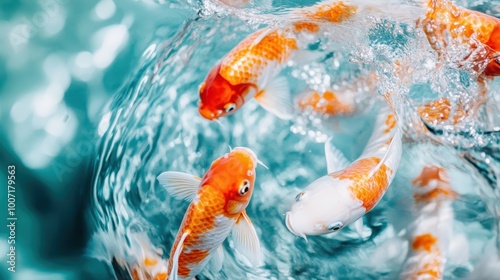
341,102
235,3
463,24
438,112
218,202
249,70
432,228
327,103
349,191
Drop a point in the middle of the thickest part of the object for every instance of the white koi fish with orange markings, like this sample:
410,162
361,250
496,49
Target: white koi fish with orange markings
218,207
349,191
337,102
248,71
327,103
235,3
431,231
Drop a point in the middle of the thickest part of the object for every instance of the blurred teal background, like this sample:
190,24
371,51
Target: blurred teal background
60,63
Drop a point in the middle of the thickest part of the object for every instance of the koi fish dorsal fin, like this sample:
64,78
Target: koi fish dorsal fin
276,99
175,261
335,159
180,185
246,240
393,154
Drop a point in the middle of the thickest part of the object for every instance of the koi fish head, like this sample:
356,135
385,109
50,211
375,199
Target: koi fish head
325,206
218,97
234,175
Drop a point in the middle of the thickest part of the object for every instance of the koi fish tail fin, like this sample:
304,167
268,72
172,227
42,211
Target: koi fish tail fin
140,259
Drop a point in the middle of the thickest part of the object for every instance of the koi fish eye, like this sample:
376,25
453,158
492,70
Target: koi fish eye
245,187
299,196
230,107
335,226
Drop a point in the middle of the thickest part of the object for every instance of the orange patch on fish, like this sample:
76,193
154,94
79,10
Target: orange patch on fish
327,103
191,257
443,188
334,12
390,122
437,112
432,269
150,262
306,26
199,219
367,189
161,276
424,242
243,64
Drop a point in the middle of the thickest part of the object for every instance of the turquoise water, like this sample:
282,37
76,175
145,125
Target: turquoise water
132,113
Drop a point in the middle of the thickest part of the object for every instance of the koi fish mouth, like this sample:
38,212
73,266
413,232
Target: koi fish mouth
207,114
288,223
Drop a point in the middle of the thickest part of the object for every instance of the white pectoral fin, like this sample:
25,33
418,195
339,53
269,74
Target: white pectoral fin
217,259
175,260
358,226
246,240
181,185
335,159
276,99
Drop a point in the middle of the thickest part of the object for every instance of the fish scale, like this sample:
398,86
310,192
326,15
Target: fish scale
249,58
198,221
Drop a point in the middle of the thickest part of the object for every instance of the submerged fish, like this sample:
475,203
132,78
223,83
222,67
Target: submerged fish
328,103
249,70
432,229
218,202
339,102
349,190
443,16
235,3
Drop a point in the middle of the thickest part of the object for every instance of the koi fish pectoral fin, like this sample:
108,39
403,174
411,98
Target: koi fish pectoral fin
175,261
180,185
246,240
358,226
276,99
217,259
335,159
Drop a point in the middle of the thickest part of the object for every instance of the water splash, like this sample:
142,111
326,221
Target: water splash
153,126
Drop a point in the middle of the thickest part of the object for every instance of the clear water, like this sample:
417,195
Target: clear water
152,125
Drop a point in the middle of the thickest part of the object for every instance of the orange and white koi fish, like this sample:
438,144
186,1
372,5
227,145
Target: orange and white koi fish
339,102
218,202
248,71
431,231
327,103
349,191
463,24
235,3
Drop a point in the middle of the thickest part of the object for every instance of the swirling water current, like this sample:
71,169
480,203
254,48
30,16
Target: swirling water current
153,125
